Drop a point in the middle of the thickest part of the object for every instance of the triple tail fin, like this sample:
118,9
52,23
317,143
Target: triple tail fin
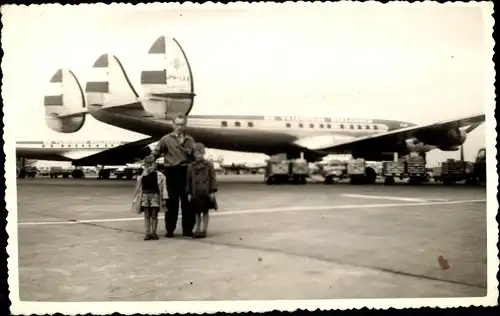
167,80
109,84
64,103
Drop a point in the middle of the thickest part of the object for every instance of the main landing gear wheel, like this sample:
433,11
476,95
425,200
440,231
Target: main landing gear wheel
370,176
104,174
77,174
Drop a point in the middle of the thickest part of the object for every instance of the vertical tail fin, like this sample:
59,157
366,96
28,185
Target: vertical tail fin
64,103
167,80
109,84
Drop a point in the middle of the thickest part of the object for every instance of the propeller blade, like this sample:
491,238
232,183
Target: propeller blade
472,127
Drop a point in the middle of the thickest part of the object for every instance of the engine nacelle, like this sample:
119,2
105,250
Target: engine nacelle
64,98
416,146
446,140
453,140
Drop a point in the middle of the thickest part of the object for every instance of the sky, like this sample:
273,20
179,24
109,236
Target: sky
410,62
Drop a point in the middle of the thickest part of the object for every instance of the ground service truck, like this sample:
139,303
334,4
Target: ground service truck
281,170
452,171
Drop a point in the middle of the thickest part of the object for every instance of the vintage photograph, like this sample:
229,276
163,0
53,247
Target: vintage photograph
249,157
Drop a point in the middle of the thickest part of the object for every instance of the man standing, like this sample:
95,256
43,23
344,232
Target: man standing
178,151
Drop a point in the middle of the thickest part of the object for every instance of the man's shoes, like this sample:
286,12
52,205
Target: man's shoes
169,235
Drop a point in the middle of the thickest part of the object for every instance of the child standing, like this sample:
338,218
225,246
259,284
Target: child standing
150,196
201,186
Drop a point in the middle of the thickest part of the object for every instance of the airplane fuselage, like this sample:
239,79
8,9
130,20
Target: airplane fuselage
258,134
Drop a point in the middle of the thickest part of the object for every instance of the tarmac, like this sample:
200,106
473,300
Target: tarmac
80,241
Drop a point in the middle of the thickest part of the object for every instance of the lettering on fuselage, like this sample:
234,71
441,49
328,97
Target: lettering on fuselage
178,78
320,119
81,144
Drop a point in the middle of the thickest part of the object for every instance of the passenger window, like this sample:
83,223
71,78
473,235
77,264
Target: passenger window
321,126
375,127
329,125
237,124
342,126
367,126
224,124
311,125
288,125
351,126
301,125
359,127
250,124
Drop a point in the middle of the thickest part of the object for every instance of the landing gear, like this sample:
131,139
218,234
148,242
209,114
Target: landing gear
77,174
370,176
104,174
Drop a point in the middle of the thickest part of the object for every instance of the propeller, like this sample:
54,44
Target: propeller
467,131
472,127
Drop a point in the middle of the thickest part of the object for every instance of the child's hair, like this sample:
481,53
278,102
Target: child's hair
149,161
199,148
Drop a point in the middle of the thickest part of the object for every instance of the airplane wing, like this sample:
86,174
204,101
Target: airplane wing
388,141
118,155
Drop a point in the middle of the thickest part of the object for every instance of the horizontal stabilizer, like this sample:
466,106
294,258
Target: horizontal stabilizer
167,80
64,103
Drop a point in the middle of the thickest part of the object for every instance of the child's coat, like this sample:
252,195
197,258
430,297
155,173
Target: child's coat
162,185
201,180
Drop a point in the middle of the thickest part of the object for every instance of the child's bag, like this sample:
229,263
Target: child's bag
136,201
136,205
